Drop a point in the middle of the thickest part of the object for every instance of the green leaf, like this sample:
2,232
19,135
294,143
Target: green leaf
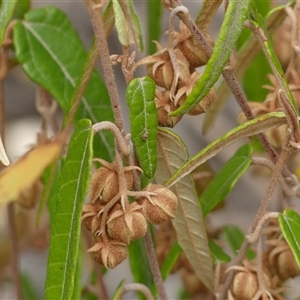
244,59
235,238
154,8
52,55
6,12
29,291
188,222
143,122
139,265
127,24
22,7
289,222
119,290
230,31
250,128
269,52
225,180
170,260
217,252
65,228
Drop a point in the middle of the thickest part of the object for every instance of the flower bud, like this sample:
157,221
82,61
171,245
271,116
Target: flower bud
162,206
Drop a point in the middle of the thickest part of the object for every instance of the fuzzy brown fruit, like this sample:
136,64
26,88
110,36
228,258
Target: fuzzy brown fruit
110,253
104,184
164,106
162,206
245,285
127,226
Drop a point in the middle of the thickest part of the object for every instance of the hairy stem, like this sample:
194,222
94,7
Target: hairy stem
231,80
284,156
154,266
95,11
138,287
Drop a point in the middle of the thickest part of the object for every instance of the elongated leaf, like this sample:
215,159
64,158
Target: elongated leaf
188,222
206,14
118,291
273,61
139,265
143,122
250,128
225,180
244,60
15,179
6,12
21,9
127,24
65,229
290,226
52,54
154,8
235,238
217,252
230,31
170,260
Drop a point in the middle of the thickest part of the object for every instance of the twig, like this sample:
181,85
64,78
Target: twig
95,11
14,250
230,79
136,287
284,155
154,266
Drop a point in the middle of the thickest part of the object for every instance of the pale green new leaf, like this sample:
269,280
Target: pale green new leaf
65,228
229,33
188,222
140,94
250,128
6,12
127,24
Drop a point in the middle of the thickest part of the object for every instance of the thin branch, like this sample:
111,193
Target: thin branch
229,77
138,287
95,11
14,250
154,266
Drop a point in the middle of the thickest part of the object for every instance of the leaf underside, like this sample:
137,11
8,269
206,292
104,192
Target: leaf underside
188,221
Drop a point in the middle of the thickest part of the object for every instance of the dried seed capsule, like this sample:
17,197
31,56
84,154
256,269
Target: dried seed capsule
162,206
245,285
164,106
90,219
127,226
110,253
105,184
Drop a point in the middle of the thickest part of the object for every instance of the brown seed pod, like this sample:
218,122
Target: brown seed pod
245,285
283,261
104,184
162,206
191,48
110,253
164,106
90,219
192,283
162,71
127,226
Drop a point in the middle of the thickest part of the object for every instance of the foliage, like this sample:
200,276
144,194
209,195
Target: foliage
113,194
